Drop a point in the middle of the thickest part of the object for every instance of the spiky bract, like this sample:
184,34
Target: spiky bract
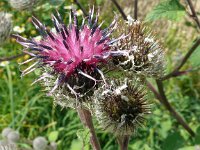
121,107
144,55
5,26
71,56
23,4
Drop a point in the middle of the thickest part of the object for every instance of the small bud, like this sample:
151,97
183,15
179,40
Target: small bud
6,131
121,107
5,26
144,55
13,136
40,143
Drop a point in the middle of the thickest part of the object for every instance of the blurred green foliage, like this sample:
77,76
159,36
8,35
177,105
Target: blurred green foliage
170,9
27,109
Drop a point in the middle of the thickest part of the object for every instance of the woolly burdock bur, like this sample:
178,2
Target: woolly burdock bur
40,143
121,107
13,137
6,131
142,53
71,57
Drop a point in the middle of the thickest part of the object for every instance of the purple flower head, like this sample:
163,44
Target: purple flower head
73,54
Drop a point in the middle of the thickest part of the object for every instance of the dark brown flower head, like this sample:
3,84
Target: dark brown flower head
121,107
144,55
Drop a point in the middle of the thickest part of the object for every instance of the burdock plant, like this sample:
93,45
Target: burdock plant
72,61
71,58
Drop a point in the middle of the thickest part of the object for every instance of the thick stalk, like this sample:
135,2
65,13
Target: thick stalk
163,99
120,10
123,142
86,119
194,14
183,61
136,9
81,7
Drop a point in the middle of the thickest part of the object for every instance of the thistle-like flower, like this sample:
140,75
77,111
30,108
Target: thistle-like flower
71,57
5,26
121,107
144,55
23,4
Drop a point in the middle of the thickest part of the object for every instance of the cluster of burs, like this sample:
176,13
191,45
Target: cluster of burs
11,138
99,69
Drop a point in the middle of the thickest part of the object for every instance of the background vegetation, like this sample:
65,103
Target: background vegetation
27,109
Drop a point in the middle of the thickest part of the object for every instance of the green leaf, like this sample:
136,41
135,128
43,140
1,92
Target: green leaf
84,137
146,147
53,136
99,2
173,142
76,145
165,127
197,137
194,59
187,148
170,10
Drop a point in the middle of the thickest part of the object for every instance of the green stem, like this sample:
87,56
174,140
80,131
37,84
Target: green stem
10,87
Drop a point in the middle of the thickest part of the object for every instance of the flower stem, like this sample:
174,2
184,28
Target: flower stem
123,142
194,14
160,95
11,57
86,119
136,9
184,60
81,7
120,9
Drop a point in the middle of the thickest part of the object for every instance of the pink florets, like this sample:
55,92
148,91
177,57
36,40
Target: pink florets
73,54
79,47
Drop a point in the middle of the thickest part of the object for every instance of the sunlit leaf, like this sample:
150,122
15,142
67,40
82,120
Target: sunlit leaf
76,145
53,136
170,10
194,59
